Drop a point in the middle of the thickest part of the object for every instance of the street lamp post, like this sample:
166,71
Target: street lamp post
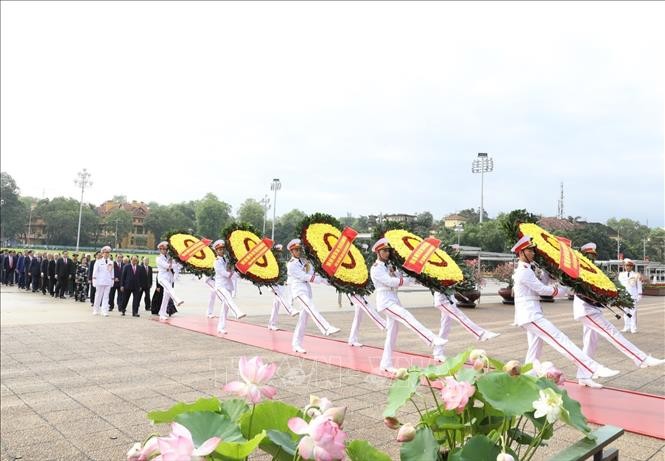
32,207
482,164
618,245
265,201
83,180
644,248
274,186
459,228
116,232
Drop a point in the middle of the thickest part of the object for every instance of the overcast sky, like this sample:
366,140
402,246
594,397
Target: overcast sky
357,108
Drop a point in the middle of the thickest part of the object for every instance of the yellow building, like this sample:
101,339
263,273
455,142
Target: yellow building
138,237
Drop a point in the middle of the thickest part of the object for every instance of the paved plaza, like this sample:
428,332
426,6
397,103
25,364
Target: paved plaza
78,387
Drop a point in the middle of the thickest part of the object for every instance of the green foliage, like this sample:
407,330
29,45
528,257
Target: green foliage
168,416
400,393
512,395
212,215
13,213
287,226
252,212
61,218
476,448
423,447
268,415
509,224
121,220
361,450
163,219
206,424
237,450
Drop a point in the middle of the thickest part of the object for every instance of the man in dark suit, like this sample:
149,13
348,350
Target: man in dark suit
62,274
27,264
20,270
117,273
71,288
91,266
43,273
10,266
51,274
35,271
133,280
146,288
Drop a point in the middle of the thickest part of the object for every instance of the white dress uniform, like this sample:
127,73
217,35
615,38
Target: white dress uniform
102,280
300,275
166,278
529,315
632,281
362,307
387,281
281,299
223,289
596,325
449,311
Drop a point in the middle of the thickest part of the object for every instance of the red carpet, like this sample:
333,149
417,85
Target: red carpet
634,411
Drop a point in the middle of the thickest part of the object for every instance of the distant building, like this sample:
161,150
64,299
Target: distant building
552,224
138,237
373,219
453,220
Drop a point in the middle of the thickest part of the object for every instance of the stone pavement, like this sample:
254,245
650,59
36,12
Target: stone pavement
74,386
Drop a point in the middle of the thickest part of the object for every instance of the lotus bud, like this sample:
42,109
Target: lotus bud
402,373
478,364
477,354
391,423
337,414
133,453
512,367
406,433
504,457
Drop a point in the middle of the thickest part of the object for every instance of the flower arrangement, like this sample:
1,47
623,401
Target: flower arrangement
268,270
477,413
319,234
473,278
592,282
201,262
504,273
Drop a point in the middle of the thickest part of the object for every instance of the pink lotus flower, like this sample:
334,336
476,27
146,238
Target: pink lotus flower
179,445
317,406
324,439
138,453
254,374
455,394
549,371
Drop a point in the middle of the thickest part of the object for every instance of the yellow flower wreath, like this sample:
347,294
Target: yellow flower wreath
240,242
202,259
548,246
440,265
323,237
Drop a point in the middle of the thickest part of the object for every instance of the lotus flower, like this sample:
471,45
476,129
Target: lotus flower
317,406
406,433
391,423
548,405
504,457
179,445
455,394
324,439
138,453
513,368
254,374
549,371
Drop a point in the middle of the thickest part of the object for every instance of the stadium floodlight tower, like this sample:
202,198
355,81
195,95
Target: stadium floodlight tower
482,164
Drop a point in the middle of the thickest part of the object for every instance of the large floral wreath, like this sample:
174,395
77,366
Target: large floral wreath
319,233
268,270
592,282
440,271
201,262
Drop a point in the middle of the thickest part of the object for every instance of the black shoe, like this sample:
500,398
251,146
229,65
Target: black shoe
136,315
123,314
62,297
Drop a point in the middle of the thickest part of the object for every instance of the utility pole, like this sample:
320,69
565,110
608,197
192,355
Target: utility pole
83,180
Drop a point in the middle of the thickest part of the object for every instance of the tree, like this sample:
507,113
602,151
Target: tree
164,219
423,224
252,212
61,219
121,199
631,235
472,216
596,233
347,221
13,212
509,225
118,223
288,226
361,224
212,216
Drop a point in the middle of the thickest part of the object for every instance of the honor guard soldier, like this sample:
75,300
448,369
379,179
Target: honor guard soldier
102,280
529,315
167,269
632,281
301,276
281,298
387,281
223,287
595,325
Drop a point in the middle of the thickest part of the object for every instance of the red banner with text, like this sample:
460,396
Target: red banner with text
254,255
415,262
568,261
339,251
193,249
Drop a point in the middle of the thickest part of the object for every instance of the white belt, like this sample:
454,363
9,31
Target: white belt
386,290
528,298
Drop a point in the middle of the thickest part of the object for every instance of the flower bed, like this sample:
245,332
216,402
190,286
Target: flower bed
489,411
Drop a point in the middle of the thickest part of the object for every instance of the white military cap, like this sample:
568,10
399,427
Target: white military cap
627,261
106,249
162,244
380,245
588,248
218,243
278,247
522,244
295,243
